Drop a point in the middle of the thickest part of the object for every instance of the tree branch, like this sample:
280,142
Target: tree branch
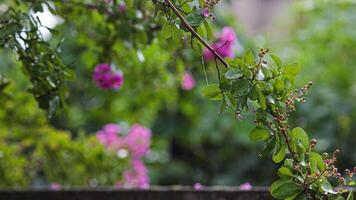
194,33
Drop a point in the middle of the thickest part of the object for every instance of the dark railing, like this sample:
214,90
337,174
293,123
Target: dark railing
155,193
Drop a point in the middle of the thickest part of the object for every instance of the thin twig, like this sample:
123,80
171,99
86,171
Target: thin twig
205,73
217,69
289,146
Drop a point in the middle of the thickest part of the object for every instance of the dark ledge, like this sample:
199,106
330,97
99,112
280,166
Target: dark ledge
154,193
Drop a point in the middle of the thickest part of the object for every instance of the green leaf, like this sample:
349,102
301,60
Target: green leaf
276,60
38,8
285,171
212,92
280,153
230,98
267,73
195,18
262,100
238,62
241,87
297,196
54,105
166,31
284,189
336,197
259,134
300,148
209,32
327,187
291,71
241,103
299,134
288,163
279,84
269,146
318,160
223,106
254,94
301,196
232,74
276,184
201,3
249,58
350,196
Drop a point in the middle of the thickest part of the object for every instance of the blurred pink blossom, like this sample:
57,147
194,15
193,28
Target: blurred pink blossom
228,34
106,78
188,82
136,177
138,140
198,186
108,136
223,46
122,7
246,186
205,12
55,187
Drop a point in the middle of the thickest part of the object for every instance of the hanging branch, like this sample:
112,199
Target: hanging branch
194,33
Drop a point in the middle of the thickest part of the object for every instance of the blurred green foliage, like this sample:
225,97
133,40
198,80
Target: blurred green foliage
33,153
191,142
324,41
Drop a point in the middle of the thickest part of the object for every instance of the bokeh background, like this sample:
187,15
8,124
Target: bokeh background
190,143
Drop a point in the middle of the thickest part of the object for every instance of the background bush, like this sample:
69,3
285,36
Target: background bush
191,142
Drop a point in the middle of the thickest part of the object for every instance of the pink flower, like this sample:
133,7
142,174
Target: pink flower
205,12
138,140
223,46
328,161
136,177
122,7
106,78
188,82
55,187
108,136
228,34
246,186
198,186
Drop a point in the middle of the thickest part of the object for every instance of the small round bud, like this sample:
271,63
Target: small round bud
325,155
313,143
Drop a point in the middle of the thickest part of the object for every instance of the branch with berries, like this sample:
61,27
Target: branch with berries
263,85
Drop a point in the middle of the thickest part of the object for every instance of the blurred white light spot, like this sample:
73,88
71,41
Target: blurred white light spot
122,153
260,76
48,20
139,14
93,183
140,56
3,8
